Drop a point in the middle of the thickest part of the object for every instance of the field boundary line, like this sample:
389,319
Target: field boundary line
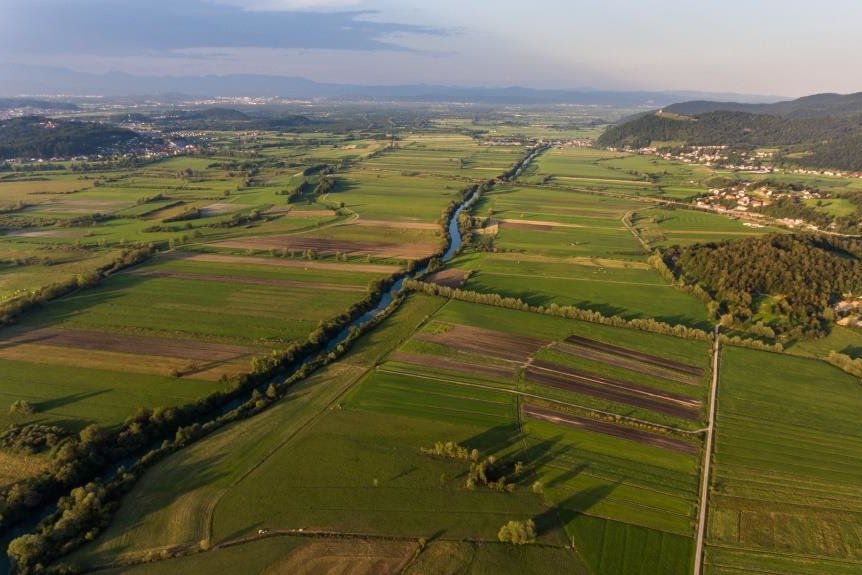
627,222
548,399
301,428
707,459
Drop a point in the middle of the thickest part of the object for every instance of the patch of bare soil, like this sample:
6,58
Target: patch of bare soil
488,342
127,343
562,377
401,225
447,363
346,557
627,363
452,278
539,223
221,208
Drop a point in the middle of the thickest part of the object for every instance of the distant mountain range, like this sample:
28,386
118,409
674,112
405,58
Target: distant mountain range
16,79
820,131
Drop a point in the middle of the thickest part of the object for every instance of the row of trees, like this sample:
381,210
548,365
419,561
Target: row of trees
12,309
570,312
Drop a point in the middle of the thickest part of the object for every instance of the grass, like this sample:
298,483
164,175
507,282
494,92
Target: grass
257,307
166,509
628,292
846,340
786,491
664,227
375,432
610,274
77,397
554,328
302,554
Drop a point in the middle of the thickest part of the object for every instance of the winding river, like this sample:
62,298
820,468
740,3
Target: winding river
386,299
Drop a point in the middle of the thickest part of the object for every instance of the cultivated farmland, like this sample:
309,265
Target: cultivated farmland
786,494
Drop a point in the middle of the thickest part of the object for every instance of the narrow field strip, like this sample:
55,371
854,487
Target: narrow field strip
640,356
245,280
640,436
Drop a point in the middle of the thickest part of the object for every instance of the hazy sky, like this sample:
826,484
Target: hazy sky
783,47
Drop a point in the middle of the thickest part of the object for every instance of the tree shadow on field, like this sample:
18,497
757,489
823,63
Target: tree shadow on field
543,452
854,351
606,309
58,402
684,320
342,185
559,514
534,298
568,475
494,439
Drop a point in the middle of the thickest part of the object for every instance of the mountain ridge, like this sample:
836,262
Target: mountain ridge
18,79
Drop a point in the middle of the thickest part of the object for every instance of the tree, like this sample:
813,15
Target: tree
26,550
518,532
22,407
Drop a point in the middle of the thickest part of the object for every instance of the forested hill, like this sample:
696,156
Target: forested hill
816,106
786,281
39,137
824,142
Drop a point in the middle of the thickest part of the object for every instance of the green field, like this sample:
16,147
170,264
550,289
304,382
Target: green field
786,494
570,248
164,334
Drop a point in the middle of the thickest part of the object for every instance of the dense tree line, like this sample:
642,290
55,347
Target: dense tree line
846,363
237,220
191,213
805,274
553,309
34,438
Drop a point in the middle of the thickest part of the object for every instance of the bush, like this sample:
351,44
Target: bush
518,532
22,407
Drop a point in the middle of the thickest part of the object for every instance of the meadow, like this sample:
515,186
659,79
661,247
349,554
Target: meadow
786,494
560,246
664,227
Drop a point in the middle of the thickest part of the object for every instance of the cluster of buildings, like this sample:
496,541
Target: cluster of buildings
716,156
756,161
745,196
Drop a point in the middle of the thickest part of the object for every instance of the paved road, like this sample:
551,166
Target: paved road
707,457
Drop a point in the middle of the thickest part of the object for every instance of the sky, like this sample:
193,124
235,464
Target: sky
774,47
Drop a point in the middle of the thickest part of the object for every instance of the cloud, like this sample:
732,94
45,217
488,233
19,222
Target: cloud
129,27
